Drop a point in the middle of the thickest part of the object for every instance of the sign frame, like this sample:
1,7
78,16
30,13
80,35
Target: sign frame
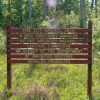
11,30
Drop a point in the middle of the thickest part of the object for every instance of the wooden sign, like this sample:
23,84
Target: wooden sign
32,36
49,56
49,46
28,40
49,51
21,30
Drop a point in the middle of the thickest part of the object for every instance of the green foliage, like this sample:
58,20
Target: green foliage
63,21
37,13
50,82
2,42
68,21
68,5
96,36
17,11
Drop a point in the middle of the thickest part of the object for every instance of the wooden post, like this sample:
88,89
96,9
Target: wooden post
8,63
89,85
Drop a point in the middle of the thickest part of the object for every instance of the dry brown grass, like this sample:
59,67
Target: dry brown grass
37,92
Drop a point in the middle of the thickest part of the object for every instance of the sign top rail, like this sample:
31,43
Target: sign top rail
35,30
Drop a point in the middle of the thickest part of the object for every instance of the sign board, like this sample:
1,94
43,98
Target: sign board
49,46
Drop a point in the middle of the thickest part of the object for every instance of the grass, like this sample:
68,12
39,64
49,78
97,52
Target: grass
49,82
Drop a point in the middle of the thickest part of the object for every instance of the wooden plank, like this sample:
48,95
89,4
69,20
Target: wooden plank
41,46
9,67
49,41
48,56
39,51
32,36
23,30
51,61
89,81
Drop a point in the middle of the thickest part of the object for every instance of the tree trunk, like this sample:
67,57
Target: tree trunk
83,13
92,3
96,9
30,12
20,13
45,9
9,10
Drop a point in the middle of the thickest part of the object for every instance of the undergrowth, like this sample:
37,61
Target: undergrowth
49,82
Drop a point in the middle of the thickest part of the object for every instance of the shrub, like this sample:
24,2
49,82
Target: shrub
2,42
96,37
37,92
